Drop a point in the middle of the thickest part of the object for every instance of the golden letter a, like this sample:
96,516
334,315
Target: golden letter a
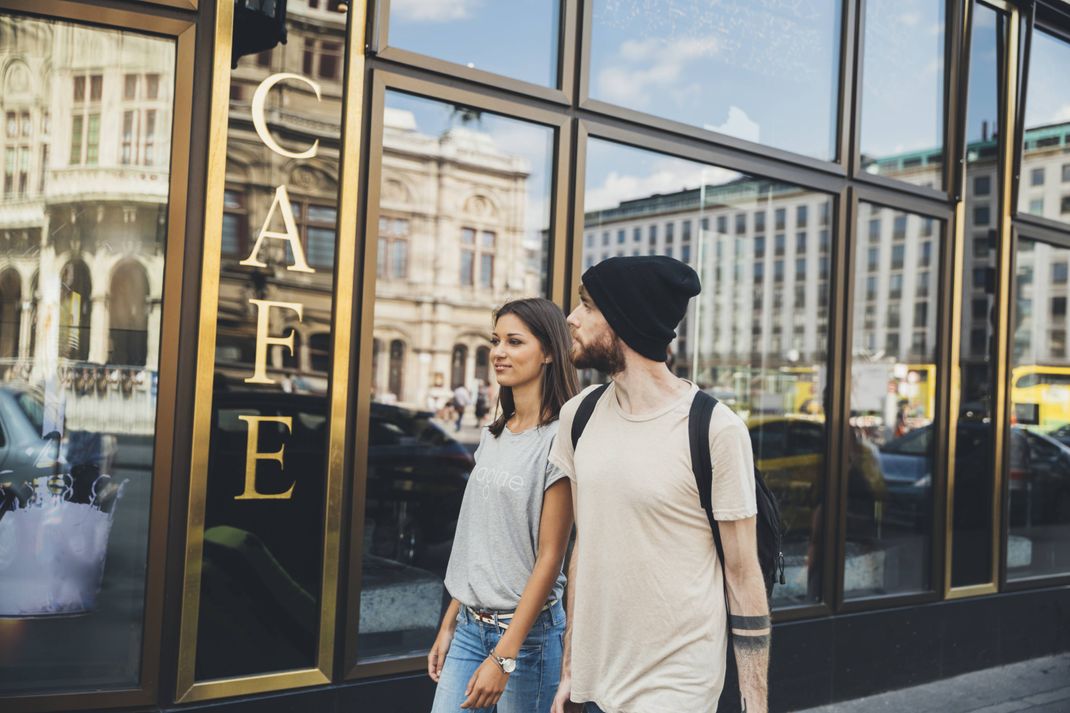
282,199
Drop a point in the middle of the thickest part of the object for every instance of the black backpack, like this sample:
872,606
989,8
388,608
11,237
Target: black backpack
770,554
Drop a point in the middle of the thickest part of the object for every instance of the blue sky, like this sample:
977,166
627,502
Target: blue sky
1048,101
514,38
765,72
903,77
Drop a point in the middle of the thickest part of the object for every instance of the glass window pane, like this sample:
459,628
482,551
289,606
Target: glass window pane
972,516
903,90
80,309
263,515
1038,473
1047,130
731,67
752,339
517,40
891,412
418,459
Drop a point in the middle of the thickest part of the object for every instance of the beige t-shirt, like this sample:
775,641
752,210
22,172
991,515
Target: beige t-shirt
648,623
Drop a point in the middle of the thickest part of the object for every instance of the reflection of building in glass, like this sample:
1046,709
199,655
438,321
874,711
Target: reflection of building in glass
766,246
766,252
295,118
451,248
451,244
83,206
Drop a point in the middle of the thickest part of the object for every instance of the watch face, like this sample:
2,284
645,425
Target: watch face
508,665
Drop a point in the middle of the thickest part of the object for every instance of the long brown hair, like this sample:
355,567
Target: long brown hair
558,382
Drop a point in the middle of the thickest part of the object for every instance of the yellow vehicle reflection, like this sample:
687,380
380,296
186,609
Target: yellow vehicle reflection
1041,396
789,450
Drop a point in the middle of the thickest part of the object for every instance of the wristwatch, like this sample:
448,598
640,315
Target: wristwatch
505,664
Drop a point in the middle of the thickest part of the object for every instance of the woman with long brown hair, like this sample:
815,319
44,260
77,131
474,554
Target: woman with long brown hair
500,643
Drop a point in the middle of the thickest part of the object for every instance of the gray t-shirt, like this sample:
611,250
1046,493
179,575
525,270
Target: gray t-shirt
498,529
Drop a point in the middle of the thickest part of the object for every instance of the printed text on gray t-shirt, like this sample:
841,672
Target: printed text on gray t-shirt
498,529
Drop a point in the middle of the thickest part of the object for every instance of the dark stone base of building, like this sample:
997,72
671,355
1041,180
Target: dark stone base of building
814,662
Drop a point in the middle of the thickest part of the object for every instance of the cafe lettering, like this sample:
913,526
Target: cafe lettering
264,339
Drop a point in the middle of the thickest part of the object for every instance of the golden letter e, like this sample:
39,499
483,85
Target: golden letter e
253,456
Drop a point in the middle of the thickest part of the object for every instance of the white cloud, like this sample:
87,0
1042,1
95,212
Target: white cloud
739,125
653,67
669,176
433,10
1062,114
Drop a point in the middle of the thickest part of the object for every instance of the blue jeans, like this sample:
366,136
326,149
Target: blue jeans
592,708
531,687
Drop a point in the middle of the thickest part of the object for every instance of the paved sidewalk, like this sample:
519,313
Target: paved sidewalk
1037,686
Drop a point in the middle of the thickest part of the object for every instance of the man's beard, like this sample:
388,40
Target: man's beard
606,355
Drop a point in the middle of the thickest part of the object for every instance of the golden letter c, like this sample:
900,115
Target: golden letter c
260,97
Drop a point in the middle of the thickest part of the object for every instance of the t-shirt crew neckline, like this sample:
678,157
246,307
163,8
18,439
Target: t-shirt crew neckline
614,404
519,434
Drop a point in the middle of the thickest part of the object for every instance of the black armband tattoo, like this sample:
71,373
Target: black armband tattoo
751,644
749,623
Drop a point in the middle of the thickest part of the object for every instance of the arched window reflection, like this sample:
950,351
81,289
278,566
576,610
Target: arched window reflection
10,313
457,365
483,364
128,329
397,367
75,311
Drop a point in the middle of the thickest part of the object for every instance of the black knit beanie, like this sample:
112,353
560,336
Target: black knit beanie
643,299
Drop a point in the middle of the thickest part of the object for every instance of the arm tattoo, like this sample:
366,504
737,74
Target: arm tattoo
749,623
750,644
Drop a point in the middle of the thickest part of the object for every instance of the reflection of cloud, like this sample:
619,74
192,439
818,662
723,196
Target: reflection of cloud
432,10
739,125
534,145
668,176
655,63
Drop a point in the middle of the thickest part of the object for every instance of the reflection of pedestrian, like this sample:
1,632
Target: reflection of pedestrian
461,399
901,427
482,403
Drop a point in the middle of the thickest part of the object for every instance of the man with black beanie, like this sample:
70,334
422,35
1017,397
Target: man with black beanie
647,622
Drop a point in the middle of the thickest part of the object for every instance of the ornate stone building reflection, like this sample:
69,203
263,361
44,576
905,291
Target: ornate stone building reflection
82,217
451,242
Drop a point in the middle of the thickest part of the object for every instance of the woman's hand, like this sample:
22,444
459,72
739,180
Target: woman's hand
437,656
486,685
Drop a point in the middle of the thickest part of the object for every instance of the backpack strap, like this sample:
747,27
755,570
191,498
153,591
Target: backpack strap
698,432
583,413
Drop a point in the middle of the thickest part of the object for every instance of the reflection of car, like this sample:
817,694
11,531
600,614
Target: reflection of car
416,479
416,470
26,454
789,450
1039,475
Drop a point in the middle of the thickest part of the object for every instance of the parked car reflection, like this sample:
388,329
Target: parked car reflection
264,556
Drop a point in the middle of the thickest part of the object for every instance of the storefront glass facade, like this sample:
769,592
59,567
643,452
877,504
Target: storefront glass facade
245,310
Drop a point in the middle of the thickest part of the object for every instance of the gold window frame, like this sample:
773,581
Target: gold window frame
187,687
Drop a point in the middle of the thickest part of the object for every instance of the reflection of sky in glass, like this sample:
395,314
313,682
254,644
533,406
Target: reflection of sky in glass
982,108
1048,100
902,77
618,173
516,39
765,72
532,142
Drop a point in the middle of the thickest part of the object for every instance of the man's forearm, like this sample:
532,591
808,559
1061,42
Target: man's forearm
751,639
